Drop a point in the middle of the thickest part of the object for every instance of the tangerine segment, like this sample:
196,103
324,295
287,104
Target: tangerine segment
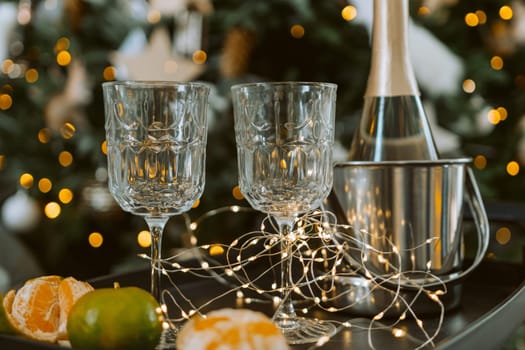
69,291
34,309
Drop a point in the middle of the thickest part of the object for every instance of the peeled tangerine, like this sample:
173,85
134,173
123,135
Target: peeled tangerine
39,310
232,329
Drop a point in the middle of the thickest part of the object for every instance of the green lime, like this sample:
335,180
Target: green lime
115,318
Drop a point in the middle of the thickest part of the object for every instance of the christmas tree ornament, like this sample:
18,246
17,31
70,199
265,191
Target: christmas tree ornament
156,62
20,212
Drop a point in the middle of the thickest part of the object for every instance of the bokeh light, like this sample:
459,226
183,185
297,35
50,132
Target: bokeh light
6,101
26,180
63,58
237,194
31,75
505,12
144,239
348,13
45,185
109,73
513,168
65,195
52,210
44,135
471,19
469,86
297,31
65,158
503,235
95,239
67,131
496,62
480,162
199,57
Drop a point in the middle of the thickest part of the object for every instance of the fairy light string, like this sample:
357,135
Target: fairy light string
323,255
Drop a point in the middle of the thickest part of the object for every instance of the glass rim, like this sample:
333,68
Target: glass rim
154,83
284,83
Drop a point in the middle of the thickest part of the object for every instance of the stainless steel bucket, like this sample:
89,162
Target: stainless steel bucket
406,218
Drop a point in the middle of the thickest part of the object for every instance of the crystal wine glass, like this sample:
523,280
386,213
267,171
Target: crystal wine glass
156,147
285,134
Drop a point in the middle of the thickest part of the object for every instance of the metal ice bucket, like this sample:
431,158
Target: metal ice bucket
407,217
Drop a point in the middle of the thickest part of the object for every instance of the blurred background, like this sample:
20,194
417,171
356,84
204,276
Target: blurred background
57,215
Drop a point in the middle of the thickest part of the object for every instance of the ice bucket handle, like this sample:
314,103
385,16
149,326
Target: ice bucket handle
481,221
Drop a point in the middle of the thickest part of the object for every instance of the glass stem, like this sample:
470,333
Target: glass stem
285,317
156,228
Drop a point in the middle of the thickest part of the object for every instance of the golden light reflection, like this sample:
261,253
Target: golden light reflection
31,75
52,210
480,162
482,16
496,62
502,113
348,13
104,147
493,117
199,57
44,135
237,194
6,101
45,185
144,239
67,130
469,86
513,168
398,332
26,180
95,239
505,12
196,204
423,11
297,31
62,44
109,73
216,249
7,66
503,235
63,58
65,195
65,158
471,19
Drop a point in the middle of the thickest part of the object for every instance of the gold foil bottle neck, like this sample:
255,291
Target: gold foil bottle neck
391,72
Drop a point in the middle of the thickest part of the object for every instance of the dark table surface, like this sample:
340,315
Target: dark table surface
491,308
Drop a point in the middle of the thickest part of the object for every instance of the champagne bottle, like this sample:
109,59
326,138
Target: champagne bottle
393,124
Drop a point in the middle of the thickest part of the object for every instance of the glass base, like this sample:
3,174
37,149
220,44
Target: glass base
168,339
299,330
